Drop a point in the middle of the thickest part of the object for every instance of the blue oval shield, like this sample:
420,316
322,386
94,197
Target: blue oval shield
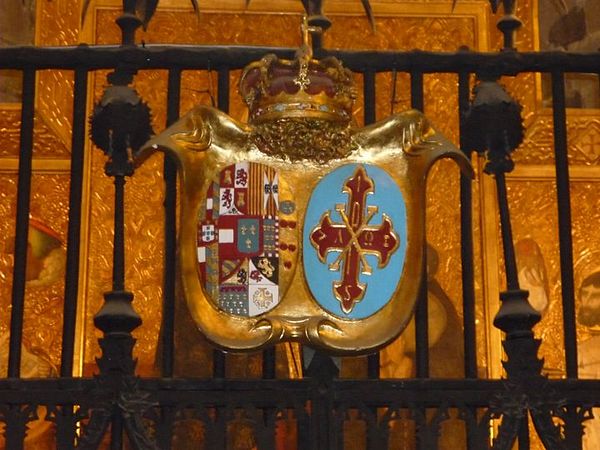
354,240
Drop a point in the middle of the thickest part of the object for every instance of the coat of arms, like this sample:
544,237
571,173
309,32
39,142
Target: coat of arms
298,225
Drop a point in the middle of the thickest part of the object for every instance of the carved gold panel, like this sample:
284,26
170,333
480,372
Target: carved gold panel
176,23
532,197
534,213
400,25
534,216
535,222
46,143
42,326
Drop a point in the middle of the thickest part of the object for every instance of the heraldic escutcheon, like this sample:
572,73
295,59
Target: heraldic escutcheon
298,225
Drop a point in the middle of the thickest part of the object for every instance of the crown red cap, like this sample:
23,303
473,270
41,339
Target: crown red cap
275,88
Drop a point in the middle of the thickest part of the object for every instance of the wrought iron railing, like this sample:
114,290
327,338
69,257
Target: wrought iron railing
147,413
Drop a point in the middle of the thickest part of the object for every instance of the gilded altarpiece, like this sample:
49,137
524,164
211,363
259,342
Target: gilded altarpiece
400,26
177,24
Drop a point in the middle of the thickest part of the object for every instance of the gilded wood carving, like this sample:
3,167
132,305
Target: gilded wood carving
298,225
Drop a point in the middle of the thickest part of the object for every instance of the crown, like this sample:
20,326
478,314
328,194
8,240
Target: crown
276,88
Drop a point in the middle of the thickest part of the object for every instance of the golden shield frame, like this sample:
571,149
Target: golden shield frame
206,140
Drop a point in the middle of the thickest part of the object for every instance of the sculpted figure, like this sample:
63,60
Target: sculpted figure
532,273
589,358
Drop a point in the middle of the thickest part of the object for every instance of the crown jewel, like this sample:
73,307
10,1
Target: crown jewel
275,88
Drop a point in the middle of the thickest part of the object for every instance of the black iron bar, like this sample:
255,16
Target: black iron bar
170,229
431,392
373,365
337,433
421,310
164,431
118,283
65,426
572,424
218,364
510,264
369,101
74,228
313,430
219,357
468,278
264,393
268,363
466,257
422,307
22,225
377,437
267,434
128,22
524,441
324,424
15,430
416,90
302,429
508,24
373,360
564,222
237,57
116,432
217,437
165,428
223,90
369,104
466,239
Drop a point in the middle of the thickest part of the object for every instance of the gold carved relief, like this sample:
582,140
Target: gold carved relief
55,102
533,212
532,197
57,24
45,144
177,23
181,26
144,254
532,191
42,327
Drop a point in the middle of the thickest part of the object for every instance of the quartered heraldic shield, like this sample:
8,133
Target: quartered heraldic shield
298,225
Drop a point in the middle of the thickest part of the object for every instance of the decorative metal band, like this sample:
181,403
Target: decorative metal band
299,109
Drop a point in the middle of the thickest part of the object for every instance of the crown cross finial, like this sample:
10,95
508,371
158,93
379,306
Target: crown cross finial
306,29
304,54
302,79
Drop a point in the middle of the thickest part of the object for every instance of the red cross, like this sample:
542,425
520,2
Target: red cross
354,239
